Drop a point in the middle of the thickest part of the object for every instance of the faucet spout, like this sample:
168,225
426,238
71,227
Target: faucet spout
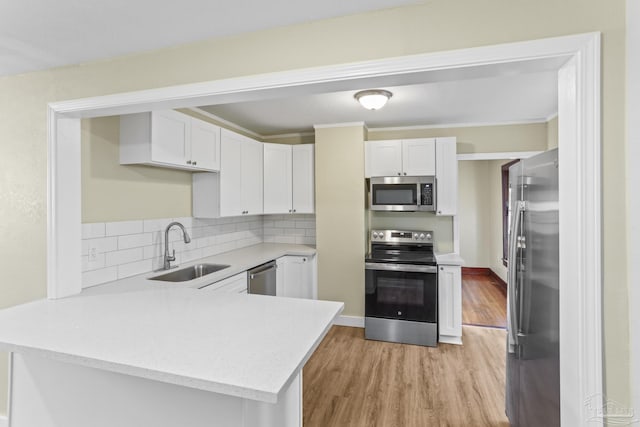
187,239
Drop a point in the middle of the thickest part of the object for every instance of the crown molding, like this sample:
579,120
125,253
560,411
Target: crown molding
288,135
226,123
340,125
458,125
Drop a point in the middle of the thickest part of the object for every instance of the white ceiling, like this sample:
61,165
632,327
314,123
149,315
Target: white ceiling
41,34
516,92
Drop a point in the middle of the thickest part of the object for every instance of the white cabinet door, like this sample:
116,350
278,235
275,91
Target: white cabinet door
230,173
303,187
294,277
170,133
418,157
383,158
251,185
450,301
277,178
233,284
205,145
446,176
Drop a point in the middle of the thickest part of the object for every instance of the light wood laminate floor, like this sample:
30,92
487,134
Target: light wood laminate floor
353,382
484,301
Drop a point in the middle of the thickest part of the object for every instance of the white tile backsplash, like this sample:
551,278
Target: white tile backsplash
124,227
127,248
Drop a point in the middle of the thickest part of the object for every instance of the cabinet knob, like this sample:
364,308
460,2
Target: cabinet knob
294,210
188,162
194,163
441,268
439,212
289,210
399,173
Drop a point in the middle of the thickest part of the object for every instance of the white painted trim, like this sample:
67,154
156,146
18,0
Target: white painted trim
446,339
63,206
4,422
498,156
339,125
633,176
459,125
551,117
581,317
226,123
288,135
580,264
352,321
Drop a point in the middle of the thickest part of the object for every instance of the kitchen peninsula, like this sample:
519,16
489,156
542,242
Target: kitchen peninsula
162,357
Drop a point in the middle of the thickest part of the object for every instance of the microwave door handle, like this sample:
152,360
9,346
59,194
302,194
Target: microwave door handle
513,277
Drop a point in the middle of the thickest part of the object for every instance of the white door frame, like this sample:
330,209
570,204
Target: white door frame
580,176
633,176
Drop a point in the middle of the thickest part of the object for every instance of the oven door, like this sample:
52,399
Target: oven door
399,291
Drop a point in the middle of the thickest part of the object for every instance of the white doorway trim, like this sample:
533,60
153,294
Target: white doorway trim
580,171
633,176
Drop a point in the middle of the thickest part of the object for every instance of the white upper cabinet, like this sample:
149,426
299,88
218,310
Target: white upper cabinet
240,175
303,185
277,178
446,176
252,177
288,178
409,157
169,139
418,157
383,158
205,145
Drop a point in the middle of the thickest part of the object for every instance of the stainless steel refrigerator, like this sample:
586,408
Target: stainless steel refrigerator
533,344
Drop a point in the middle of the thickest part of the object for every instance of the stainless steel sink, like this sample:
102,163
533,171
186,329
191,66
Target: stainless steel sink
190,273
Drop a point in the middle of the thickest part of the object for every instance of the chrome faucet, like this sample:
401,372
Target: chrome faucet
168,258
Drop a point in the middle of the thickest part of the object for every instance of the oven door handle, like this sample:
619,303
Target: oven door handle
400,267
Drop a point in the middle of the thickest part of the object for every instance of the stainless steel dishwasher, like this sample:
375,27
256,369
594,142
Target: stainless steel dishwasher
262,279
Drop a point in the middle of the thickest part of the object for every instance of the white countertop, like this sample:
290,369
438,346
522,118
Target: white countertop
239,260
450,258
249,346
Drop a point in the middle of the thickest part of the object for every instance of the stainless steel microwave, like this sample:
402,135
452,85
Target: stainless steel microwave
402,193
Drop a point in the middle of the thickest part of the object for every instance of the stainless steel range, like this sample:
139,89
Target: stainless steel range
401,282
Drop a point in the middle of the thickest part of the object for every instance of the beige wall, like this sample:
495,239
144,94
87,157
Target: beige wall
114,192
480,139
442,226
552,133
340,216
474,212
426,27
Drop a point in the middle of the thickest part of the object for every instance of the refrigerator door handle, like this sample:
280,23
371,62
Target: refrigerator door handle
513,274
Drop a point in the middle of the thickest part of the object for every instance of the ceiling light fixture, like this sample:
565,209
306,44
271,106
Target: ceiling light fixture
373,99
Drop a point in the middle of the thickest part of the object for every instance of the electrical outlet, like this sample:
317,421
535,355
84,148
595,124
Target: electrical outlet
93,253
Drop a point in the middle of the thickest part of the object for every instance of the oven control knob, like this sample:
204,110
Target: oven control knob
415,236
375,235
421,236
428,236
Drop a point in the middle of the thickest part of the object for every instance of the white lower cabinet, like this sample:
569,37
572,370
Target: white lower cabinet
450,304
232,285
295,277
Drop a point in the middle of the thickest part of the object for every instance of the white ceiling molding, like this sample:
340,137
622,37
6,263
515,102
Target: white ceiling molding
498,156
288,135
225,123
551,117
339,125
456,125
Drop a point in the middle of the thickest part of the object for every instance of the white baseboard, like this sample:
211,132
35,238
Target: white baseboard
3,421
445,339
353,321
